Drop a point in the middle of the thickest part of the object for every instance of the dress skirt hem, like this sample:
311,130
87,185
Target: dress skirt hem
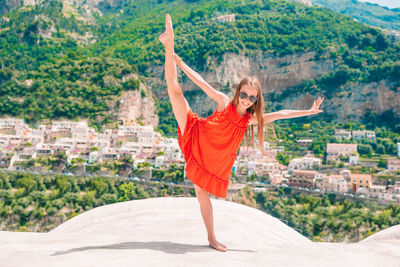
195,172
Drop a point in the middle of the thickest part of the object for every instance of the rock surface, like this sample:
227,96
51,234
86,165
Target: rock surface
170,232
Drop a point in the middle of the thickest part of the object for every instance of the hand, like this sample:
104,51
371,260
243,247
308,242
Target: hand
315,107
178,60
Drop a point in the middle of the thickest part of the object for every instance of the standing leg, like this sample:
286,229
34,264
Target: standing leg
207,213
180,106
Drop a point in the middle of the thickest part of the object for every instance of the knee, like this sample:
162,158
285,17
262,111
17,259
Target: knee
174,88
201,193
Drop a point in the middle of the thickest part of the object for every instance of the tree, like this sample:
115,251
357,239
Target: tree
27,183
364,149
63,184
282,158
382,163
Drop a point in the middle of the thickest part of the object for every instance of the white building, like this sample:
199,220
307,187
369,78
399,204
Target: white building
44,149
13,123
342,133
321,182
225,18
377,191
337,183
109,154
159,161
305,163
93,157
64,143
334,151
353,159
364,135
130,148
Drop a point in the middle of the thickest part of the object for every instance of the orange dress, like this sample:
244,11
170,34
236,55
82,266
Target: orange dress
210,146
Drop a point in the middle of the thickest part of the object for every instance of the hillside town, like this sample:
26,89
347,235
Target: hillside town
80,143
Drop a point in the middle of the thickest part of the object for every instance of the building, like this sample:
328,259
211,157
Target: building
342,134
364,135
263,169
159,161
44,149
345,174
398,150
93,156
225,18
304,142
396,187
393,165
377,191
321,182
337,183
302,178
360,181
109,154
305,163
353,159
334,151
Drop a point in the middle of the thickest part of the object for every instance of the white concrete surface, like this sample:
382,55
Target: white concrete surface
170,232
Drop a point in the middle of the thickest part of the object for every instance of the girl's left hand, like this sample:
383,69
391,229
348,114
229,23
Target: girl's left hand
315,107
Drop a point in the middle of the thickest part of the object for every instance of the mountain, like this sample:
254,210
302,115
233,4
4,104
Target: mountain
368,13
64,59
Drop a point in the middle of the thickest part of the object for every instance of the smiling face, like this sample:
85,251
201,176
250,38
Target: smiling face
251,92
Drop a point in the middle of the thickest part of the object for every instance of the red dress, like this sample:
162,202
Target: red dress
210,146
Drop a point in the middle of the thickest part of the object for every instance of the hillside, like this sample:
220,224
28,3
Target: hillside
69,61
368,13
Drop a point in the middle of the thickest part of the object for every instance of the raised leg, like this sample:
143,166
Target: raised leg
180,106
207,213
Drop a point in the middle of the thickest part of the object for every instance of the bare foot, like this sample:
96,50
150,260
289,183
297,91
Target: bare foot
167,37
217,245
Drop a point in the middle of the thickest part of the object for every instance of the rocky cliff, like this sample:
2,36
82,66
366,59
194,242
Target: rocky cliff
278,74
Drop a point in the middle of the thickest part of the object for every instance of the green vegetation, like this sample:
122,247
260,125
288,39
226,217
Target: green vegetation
72,79
323,132
39,203
368,13
326,219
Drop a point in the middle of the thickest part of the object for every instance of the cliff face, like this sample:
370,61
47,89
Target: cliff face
352,104
135,107
274,73
277,74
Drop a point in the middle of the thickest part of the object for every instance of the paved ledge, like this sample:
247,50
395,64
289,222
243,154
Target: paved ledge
170,232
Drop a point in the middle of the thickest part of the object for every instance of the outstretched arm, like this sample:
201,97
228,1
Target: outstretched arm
216,95
287,114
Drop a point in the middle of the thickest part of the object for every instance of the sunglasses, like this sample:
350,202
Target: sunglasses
252,98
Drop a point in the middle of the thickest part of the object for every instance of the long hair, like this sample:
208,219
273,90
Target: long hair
256,108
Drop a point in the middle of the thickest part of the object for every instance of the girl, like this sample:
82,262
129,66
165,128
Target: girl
210,145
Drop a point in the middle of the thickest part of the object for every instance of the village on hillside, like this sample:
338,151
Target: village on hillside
76,144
